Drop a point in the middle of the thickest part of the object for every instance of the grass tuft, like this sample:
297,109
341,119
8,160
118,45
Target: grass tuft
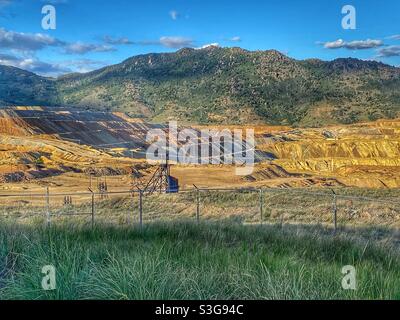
189,261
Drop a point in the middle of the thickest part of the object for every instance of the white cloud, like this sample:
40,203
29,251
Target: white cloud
176,42
29,42
235,39
117,41
26,41
353,45
33,65
364,44
334,44
394,37
174,14
83,48
50,69
209,45
391,51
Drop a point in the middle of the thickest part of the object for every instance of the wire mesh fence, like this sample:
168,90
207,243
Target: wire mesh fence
169,207
287,207
241,205
355,211
246,206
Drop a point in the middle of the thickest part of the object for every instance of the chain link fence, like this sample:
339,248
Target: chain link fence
246,206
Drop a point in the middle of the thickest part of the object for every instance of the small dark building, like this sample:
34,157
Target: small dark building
173,185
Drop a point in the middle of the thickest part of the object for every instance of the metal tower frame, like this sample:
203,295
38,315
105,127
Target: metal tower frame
159,181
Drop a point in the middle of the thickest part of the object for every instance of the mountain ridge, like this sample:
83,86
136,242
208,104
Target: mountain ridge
221,85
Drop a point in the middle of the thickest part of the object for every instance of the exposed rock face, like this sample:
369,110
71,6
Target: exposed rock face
102,129
26,176
12,124
365,155
37,142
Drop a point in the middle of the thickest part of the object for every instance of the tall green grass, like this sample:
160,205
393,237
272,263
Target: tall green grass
189,261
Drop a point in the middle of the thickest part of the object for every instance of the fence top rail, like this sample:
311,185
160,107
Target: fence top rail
55,194
191,190
338,195
308,192
88,193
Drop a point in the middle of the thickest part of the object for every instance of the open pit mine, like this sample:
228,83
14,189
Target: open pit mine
62,147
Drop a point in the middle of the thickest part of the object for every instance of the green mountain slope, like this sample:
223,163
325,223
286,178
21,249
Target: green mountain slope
232,85
20,87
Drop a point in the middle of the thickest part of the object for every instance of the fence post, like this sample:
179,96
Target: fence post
334,208
48,206
141,208
198,204
129,216
92,210
261,205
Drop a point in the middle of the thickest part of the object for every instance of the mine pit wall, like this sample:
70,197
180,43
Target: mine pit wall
362,155
329,165
369,172
349,148
383,152
82,127
12,124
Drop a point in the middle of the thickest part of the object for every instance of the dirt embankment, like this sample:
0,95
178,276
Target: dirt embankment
12,124
38,142
26,176
91,128
366,155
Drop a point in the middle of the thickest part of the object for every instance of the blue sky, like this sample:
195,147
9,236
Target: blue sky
94,33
